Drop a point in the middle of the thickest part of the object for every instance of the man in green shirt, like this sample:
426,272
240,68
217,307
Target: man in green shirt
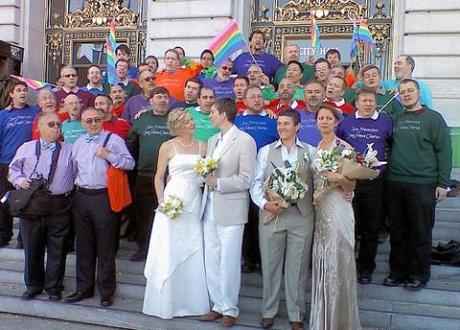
292,53
419,168
204,128
72,128
146,136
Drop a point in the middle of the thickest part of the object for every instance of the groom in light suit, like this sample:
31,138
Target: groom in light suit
225,211
287,240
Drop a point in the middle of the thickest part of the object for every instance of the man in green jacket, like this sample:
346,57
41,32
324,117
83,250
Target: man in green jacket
419,168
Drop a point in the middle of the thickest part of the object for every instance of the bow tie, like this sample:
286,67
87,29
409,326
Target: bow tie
51,145
92,138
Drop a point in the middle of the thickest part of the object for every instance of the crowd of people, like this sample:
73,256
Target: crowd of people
250,114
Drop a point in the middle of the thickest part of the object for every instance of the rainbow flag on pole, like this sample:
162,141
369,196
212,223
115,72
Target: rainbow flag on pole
111,45
362,34
226,43
34,84
314,32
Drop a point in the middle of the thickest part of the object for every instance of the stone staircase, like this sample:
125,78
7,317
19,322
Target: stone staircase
437,307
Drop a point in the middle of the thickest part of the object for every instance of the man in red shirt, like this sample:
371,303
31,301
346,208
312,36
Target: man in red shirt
111,123
335,89
118,96
69,78
286,92
240,84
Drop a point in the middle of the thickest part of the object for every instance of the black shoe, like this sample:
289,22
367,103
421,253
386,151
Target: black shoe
248,267
138,256
394,280
414,285
106,301
365,278
77,296
30,294
55,296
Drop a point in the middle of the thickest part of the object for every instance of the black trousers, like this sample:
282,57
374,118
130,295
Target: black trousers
145,203
6,221
96,233
368,208
50,234
251,252
411,224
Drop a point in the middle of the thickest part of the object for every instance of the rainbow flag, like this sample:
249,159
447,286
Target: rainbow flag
226,43
34,84
314,32
111,45
362,34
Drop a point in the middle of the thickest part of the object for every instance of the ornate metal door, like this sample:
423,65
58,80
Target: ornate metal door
76,32
285,21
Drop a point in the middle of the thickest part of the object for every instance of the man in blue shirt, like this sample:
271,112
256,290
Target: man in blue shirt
314,94
15,129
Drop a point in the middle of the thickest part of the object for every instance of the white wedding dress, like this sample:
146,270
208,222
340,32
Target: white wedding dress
176,282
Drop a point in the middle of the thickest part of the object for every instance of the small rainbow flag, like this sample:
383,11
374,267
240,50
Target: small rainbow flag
34,84
362,34
314,35
111,44
226,43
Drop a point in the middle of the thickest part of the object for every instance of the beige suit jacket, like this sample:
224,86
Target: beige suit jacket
237,162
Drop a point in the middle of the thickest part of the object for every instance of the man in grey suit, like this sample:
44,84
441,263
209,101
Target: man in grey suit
225,211
288,239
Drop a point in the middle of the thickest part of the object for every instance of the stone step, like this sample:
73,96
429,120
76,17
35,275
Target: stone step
125,313
446,231
446,214
449,202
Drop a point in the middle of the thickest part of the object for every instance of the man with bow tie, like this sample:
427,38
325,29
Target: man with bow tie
95,225
38,158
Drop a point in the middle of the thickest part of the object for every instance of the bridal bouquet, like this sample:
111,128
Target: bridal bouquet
172,207
206,166
285,186
344,161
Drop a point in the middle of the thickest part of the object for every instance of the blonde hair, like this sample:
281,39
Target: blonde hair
176,120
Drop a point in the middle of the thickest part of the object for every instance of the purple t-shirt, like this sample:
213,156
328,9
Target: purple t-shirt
221,89
268,63
135,104
308,131
360,132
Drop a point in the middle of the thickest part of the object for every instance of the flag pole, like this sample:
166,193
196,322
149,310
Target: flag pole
389,101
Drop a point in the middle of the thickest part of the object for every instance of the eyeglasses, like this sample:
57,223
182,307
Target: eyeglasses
95,120
52,124
73,75
148,78
226,68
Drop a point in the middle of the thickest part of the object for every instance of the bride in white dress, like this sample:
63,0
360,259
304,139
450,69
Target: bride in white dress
176,282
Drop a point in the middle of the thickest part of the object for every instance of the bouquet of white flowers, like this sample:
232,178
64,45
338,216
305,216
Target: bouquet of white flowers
205,167
347,162
284,185
172,207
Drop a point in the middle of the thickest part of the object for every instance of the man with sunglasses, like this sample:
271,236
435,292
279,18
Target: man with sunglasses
95,224
222,84
69,78
49,233
141,101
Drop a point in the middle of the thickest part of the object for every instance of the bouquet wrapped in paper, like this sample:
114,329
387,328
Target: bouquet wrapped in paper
285,186
206,167
348,163
172,207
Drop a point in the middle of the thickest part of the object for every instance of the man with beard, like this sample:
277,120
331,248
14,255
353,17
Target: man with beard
292,53
286,100
118,96
222,84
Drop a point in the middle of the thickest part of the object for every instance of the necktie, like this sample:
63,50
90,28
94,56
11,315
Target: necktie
92,138
50,145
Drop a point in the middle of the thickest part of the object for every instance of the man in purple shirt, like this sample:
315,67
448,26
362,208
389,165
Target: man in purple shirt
50,232
268,63
222,83
141,101
314,94
95,224
364,128
70,78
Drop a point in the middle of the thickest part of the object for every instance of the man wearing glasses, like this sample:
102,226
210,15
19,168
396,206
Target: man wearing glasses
32,159
95,225
222,84
69,78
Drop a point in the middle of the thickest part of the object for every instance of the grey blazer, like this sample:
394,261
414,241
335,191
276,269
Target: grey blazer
237,163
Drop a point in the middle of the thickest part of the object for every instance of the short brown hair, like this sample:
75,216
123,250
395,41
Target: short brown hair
365,91
228,106
13,83
160,90
331,108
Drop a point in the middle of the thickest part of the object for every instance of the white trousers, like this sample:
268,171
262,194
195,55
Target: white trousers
222,249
